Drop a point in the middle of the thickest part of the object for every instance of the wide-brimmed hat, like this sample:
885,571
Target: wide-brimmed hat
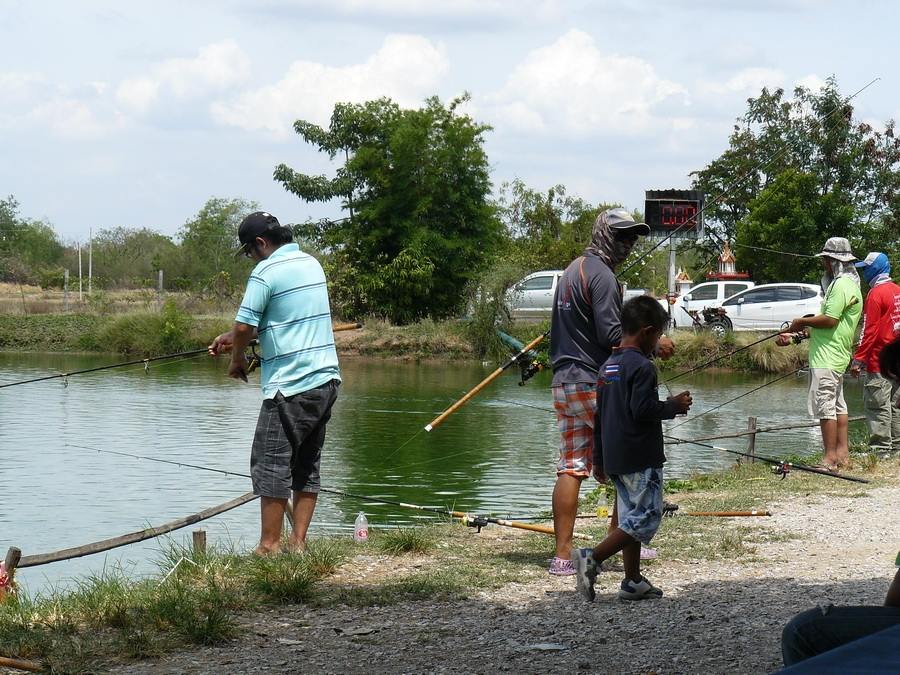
837,248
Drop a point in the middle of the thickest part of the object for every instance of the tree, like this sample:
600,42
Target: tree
415,185
30,251
808,157
128,257
546,230
208,242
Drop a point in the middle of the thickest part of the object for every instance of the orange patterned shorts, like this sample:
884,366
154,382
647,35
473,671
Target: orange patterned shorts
575,406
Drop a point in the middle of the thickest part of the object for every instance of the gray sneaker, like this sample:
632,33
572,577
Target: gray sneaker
642,590
585,572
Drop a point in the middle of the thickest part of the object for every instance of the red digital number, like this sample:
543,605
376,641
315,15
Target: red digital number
675,215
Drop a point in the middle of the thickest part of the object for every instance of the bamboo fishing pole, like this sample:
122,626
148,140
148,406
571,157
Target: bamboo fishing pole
437,421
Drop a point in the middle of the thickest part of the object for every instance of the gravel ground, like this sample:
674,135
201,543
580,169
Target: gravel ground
716,616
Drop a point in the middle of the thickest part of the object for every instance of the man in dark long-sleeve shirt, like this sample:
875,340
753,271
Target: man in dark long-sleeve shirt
584,329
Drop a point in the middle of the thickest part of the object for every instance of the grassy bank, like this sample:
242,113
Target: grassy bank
200,599
148,333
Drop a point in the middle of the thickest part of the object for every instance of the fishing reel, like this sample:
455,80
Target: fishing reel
781,469
253,358
528,368
669,509
477,522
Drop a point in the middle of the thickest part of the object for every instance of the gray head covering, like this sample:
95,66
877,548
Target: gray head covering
603,242
839,256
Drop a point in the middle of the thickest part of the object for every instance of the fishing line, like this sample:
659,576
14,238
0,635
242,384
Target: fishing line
781,466
720,358
148,360
747,393
474,521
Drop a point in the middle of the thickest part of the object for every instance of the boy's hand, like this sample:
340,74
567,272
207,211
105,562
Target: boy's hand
682,402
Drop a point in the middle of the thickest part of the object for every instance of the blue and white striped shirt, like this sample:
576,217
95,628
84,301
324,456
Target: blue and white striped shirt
287,300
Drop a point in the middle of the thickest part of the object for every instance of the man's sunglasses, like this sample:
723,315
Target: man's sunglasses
626,236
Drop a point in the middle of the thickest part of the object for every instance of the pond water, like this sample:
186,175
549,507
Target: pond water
496,455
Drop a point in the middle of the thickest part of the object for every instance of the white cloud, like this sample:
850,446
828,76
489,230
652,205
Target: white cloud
812,82
406,68
217,68
69,119
571,87
29,101
746,82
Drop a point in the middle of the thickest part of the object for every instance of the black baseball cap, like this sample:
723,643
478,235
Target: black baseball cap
253,226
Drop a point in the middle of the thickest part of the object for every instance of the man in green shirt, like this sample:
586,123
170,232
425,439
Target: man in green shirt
830,348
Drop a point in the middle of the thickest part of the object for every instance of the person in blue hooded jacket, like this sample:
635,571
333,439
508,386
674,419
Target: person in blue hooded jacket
880,325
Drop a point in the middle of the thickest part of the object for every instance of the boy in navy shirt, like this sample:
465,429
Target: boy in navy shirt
628,448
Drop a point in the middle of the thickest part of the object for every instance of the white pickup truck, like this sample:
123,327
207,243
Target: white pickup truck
707,294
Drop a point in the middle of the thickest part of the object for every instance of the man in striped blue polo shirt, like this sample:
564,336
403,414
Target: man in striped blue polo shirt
286,307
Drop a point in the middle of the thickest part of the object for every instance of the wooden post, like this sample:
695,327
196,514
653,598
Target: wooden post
751,443
13,555
199,537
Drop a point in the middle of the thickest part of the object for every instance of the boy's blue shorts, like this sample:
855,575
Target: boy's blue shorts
640,501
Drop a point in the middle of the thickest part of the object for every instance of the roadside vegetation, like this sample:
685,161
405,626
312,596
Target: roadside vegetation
197,599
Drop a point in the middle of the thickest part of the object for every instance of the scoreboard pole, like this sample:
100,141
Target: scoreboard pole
671,277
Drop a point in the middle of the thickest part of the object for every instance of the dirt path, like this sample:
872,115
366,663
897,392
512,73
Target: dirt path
716,616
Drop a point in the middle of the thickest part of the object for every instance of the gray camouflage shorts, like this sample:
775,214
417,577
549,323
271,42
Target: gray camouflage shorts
287,444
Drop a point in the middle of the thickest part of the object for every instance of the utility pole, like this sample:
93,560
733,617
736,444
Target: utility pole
80,298
90,261
159,290
66,290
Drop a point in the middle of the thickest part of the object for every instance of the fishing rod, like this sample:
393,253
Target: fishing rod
796,338
475,521
780,467
146,361
670,510
521,355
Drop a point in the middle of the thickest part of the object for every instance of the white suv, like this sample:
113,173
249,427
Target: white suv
769,306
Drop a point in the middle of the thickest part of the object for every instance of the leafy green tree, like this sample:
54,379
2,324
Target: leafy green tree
415,185
208,241
546,230
808,156
30,250
127,257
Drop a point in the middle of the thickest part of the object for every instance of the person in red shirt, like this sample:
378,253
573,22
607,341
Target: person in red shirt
880,325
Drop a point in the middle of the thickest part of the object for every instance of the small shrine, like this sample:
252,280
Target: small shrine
683,282
727,270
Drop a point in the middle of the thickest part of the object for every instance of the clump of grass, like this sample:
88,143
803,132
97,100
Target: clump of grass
323,556
284,578
405,540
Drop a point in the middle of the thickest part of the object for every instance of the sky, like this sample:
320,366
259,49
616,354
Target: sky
134,114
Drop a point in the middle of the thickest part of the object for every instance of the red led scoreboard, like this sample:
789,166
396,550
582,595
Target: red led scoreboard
676,212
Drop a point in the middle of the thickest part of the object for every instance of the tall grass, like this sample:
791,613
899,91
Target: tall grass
693,349
402,540
192,601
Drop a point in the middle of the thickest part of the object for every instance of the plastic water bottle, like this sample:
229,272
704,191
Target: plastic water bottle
361,528
602,506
